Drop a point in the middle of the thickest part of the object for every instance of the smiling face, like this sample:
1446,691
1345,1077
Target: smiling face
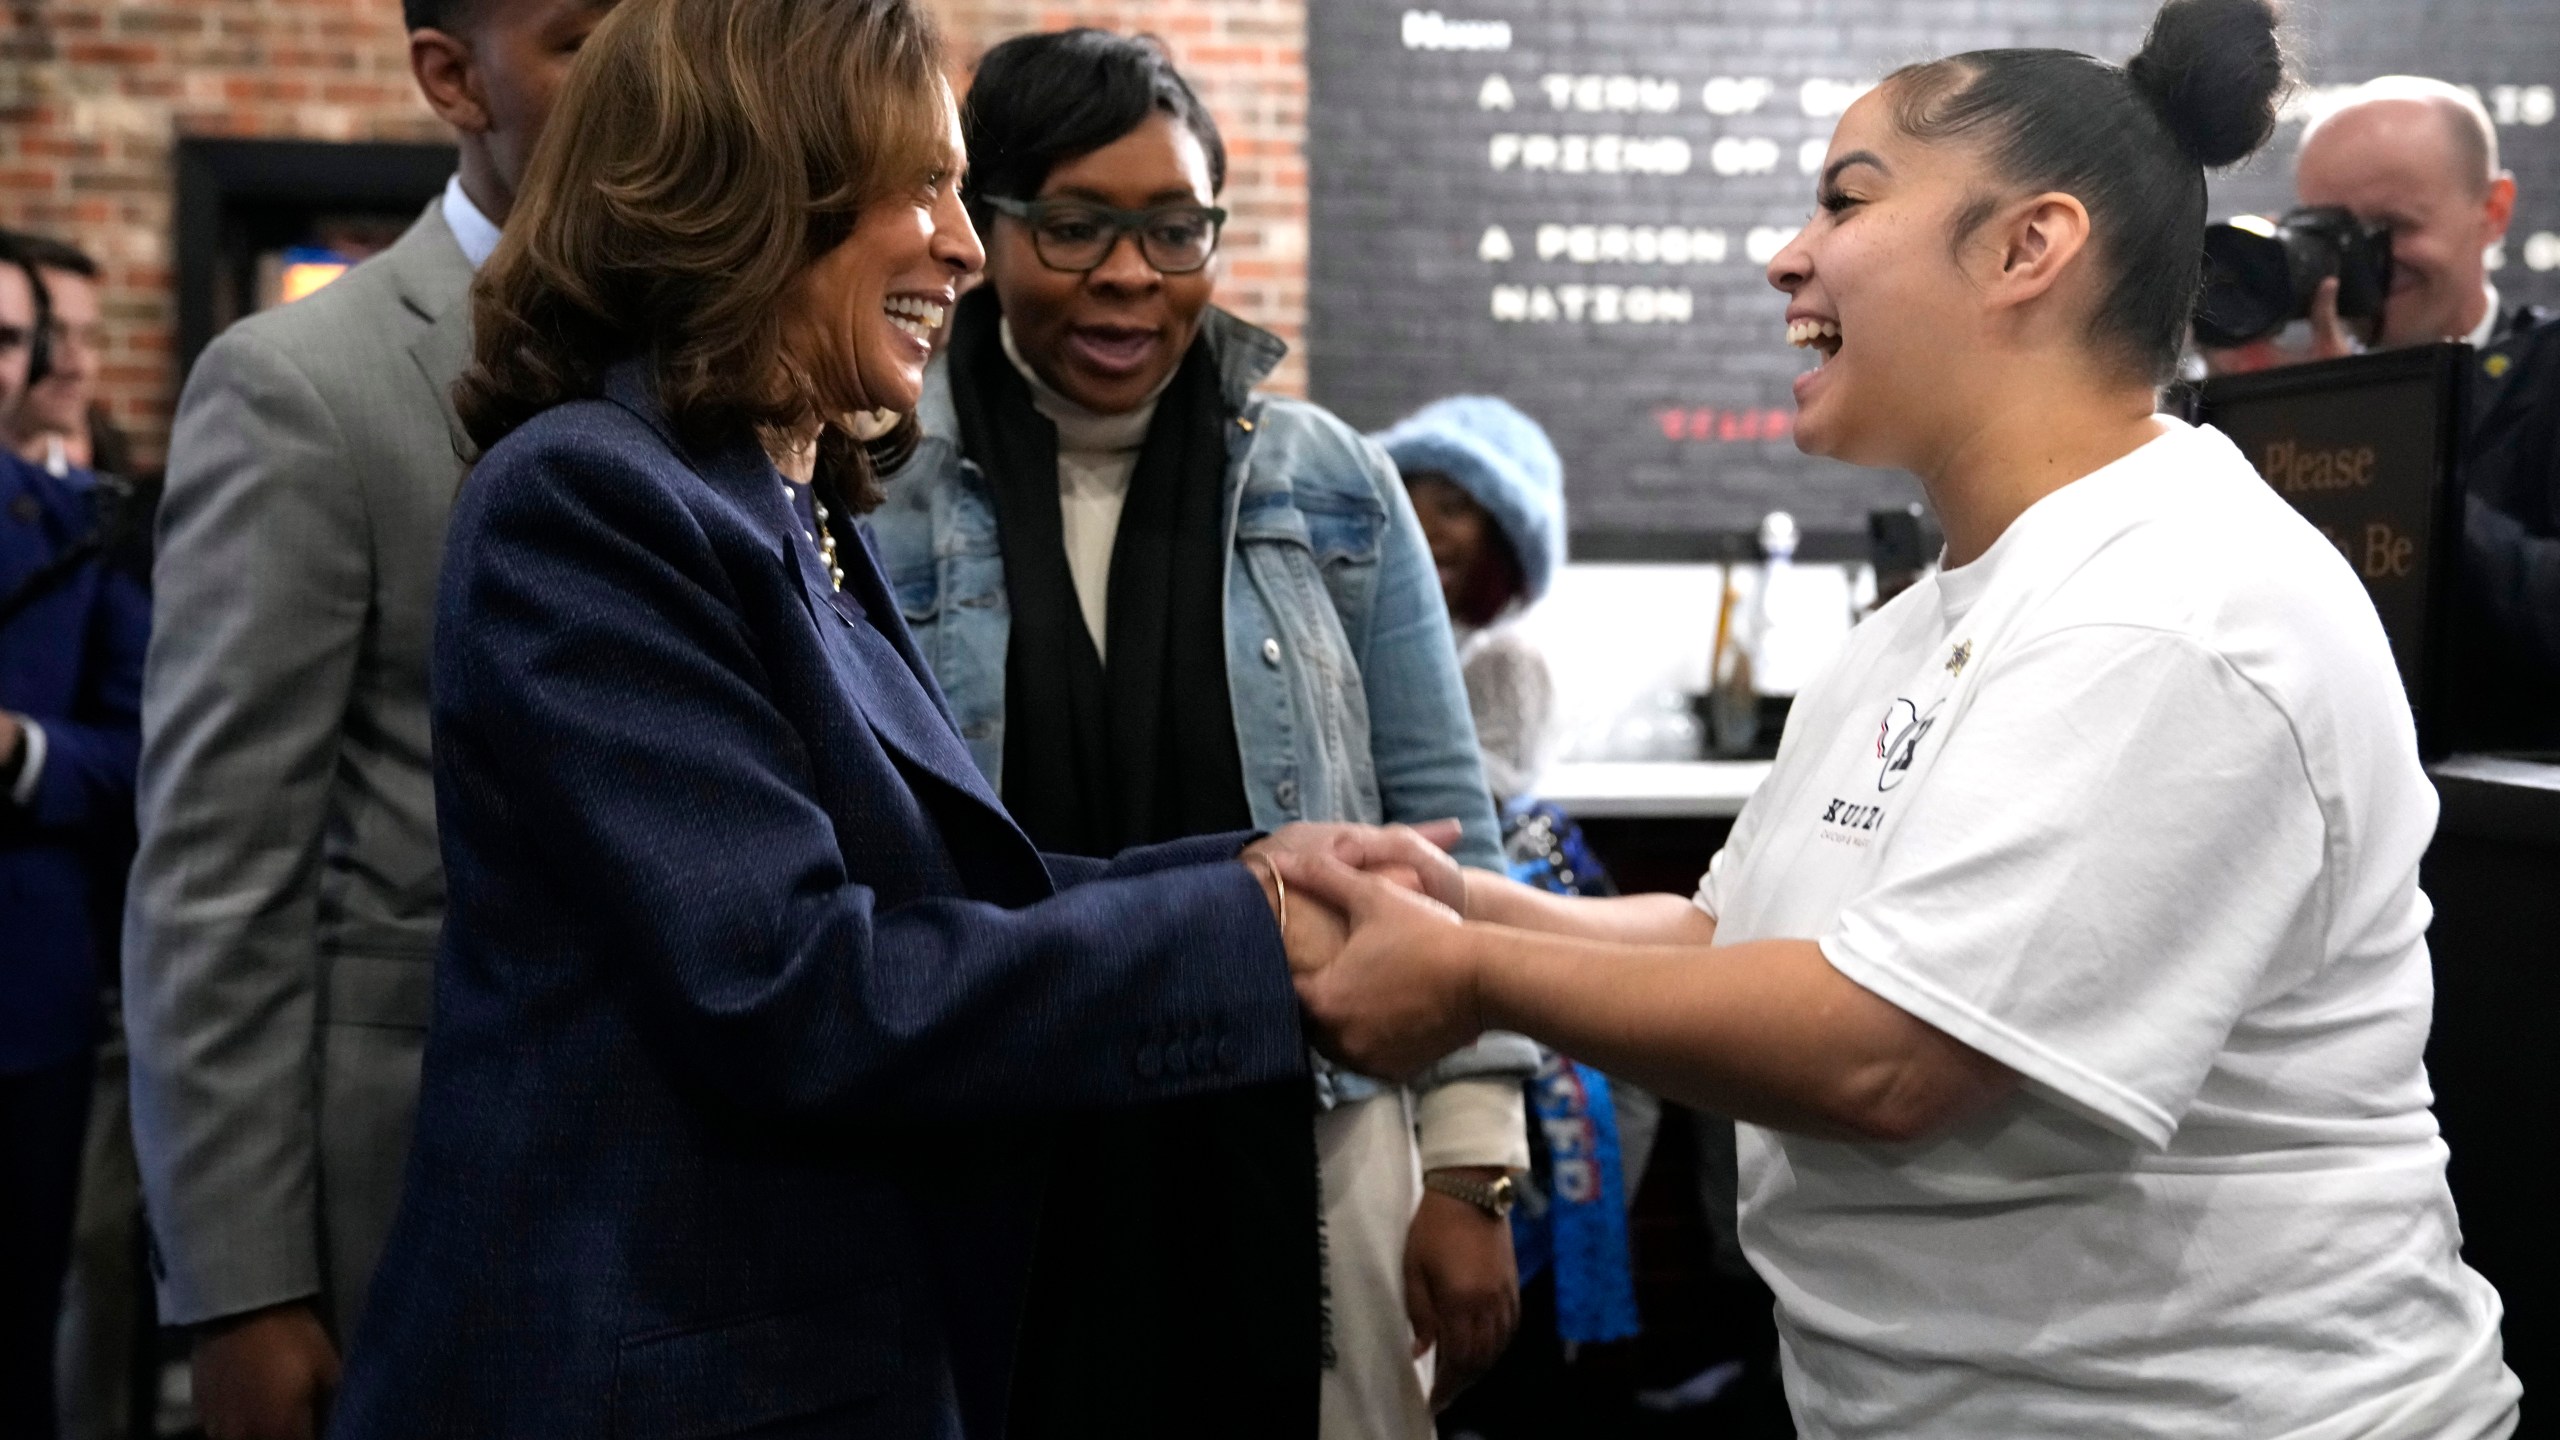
1479,576
17,332
863,317
1109,338
59,404
1877,293
2397,162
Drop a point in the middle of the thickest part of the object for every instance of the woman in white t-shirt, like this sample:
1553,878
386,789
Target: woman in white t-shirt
2069,972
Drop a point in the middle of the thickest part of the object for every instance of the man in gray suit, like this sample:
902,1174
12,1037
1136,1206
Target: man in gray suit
283,914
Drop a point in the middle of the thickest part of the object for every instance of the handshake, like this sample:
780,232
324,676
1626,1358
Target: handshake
1373,920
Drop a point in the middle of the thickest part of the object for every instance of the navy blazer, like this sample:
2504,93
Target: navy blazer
72,662
754,1008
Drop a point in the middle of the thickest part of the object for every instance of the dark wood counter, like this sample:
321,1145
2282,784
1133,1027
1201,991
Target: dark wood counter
2494,875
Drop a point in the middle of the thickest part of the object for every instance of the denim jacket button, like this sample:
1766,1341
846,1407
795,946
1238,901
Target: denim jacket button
1271,652
1286,792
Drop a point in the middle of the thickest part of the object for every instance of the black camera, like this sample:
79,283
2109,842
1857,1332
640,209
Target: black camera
2260,275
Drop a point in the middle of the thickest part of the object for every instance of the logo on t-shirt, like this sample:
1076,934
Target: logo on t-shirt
1898,740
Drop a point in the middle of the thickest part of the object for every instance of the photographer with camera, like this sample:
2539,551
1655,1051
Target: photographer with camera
2403,199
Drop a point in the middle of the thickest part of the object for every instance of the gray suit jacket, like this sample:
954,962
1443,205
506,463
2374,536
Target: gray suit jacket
281,925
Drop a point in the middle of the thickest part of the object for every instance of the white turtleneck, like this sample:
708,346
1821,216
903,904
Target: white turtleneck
1096,456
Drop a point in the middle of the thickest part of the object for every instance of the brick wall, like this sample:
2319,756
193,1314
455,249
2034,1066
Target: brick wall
95,93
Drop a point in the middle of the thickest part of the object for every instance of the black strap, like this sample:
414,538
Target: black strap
1099,758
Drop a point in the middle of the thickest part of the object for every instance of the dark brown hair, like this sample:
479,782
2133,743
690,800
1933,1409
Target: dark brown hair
1039,101
702,156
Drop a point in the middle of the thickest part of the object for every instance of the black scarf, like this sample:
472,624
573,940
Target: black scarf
1177,1287
1098,759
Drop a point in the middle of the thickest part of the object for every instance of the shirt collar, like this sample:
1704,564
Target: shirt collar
471,229
2487,330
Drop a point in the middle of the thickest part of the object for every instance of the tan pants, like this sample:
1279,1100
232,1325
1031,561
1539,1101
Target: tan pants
1372,1177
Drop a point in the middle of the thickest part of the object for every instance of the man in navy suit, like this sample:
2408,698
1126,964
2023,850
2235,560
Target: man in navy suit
72,629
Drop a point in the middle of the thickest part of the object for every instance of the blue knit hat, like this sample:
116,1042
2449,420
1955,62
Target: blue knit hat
1502,459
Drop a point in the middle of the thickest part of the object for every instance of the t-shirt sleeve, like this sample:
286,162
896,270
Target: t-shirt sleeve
2093,879
1714,885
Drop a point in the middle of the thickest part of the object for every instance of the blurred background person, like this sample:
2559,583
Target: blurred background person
1165,604
282,921
745,1094
1488,488
59,423
73,627
60,426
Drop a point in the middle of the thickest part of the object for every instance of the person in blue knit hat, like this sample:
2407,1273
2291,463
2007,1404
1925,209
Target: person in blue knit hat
1489,487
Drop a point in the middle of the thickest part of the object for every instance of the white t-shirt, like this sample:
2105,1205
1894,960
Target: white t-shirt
2131,804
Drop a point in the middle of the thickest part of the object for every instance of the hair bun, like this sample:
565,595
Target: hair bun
2213,72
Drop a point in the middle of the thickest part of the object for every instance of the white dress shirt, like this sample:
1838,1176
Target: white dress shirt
2487,330
471,229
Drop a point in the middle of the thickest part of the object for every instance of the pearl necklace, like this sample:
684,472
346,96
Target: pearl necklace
824,539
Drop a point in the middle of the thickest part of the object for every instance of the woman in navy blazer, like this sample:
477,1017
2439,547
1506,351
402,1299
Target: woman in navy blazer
752,998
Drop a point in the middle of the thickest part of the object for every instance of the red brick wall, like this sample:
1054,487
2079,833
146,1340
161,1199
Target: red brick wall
95,93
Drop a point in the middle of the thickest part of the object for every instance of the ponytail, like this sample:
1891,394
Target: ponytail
2212,71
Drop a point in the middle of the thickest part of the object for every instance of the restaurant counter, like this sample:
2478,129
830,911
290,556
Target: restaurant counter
1616,789
2494,876
1654,823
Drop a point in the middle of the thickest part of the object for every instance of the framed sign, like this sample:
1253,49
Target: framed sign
2369,450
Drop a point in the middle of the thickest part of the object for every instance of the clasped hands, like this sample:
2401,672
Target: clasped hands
1372,919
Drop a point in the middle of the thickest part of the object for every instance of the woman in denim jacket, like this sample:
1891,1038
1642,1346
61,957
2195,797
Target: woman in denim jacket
1161,604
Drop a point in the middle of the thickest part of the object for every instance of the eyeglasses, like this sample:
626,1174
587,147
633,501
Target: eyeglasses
1076,236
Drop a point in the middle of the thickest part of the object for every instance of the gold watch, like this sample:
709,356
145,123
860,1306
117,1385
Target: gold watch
1493,1197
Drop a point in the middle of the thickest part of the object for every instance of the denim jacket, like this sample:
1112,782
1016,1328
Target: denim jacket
1340,667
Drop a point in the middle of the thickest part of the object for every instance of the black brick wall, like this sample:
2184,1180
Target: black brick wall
1403,190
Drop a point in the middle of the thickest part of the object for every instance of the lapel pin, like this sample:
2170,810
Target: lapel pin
1956,659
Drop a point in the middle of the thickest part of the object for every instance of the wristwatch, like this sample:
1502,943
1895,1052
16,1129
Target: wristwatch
1493,1197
